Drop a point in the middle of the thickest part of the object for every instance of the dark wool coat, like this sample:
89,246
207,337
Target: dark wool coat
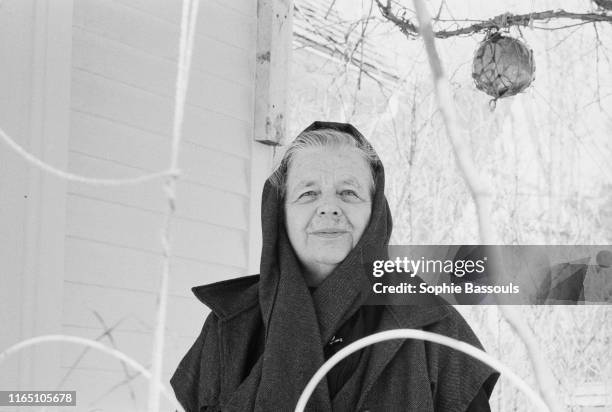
400,376
267,334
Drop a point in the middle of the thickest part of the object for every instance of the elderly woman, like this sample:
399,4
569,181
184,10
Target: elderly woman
324,217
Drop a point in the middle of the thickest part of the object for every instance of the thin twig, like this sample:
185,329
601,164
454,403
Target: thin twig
127,381
332,47
114,345
106,332
329,9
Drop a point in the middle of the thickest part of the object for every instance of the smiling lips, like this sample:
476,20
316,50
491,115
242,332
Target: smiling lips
329,233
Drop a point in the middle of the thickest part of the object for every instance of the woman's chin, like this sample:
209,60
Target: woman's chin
332,256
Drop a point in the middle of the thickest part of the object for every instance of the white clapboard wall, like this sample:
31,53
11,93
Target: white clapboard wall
122,95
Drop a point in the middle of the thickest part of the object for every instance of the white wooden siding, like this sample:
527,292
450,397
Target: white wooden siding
35,50
133,306
140,150
116,266
123,78
99,96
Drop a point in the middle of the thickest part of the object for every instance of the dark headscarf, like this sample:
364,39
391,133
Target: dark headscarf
297,324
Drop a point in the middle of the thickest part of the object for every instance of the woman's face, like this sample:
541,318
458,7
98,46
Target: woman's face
327,205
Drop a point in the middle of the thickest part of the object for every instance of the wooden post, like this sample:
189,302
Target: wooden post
274,42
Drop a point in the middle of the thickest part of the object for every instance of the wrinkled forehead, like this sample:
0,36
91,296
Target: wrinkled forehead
316,166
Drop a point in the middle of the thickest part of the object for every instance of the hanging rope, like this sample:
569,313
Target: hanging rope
5,354
188,25
45,167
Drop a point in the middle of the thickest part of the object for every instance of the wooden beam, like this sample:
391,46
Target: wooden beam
274,42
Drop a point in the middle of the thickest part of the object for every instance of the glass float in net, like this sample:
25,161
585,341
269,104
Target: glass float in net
503,66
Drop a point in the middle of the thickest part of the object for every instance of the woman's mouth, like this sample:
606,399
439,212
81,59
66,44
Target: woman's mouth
329,233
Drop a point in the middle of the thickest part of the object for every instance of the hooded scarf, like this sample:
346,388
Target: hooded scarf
297,324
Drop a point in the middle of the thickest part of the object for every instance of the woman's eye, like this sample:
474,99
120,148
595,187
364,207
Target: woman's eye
348,193
310,193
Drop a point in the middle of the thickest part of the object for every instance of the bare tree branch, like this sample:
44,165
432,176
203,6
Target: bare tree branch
329,9
334,48
107,332
505,20
482,195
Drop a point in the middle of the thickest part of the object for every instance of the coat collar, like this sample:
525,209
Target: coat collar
229,297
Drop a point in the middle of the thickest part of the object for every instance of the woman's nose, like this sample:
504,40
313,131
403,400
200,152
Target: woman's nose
329,209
